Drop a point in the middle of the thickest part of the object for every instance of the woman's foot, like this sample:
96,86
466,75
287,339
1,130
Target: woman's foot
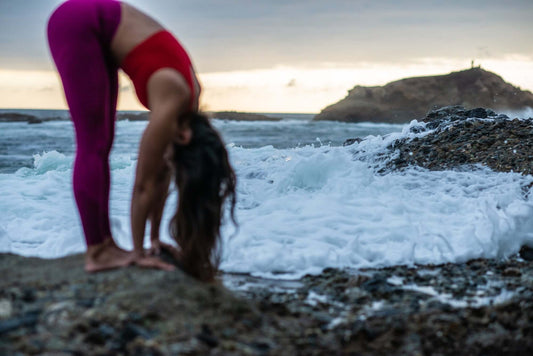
166,252
105,256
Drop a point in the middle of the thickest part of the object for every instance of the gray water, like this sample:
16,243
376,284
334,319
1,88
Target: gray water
20,141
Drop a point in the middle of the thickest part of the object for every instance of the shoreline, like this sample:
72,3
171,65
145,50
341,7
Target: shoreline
37,116
477,307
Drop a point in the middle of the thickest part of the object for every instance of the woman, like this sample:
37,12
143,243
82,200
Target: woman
89,41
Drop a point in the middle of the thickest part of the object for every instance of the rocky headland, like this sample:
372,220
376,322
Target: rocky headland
411,98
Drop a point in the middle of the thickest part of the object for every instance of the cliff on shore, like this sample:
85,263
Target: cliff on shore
404,100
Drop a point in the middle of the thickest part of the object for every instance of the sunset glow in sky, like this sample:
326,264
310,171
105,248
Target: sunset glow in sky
290,56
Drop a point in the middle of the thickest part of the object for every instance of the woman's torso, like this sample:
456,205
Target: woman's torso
134,28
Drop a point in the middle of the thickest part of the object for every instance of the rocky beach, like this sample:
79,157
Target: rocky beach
478,307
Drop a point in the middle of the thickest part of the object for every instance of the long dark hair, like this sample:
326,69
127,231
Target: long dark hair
205,180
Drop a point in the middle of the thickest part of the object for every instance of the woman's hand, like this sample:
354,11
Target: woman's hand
158,246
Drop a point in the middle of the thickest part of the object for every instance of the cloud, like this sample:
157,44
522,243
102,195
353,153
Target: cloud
243,34
22,33
281,53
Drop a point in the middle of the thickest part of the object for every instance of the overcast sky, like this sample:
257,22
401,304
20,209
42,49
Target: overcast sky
268,55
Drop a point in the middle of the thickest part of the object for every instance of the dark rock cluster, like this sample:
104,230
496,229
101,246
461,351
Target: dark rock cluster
135,116
32,119
467,137
241,116
18,117
479,307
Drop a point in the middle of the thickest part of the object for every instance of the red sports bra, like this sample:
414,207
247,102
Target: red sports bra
161,50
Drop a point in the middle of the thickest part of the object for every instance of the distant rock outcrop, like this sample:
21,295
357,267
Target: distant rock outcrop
242,116
411,98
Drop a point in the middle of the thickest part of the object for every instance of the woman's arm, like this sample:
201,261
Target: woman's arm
167,100
156,213
148,197
145,196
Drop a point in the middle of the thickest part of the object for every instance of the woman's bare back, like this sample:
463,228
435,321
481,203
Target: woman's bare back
135,26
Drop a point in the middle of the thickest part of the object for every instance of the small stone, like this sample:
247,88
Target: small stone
60,314
132,331
526,253
351,141
511,272
6,309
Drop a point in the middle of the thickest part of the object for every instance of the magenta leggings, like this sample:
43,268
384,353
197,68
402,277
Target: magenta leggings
79,35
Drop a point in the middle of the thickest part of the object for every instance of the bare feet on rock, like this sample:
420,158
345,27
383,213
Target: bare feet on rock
153,262
105,256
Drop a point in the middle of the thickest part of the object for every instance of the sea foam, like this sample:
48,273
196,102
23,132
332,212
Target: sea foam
300,209
305,209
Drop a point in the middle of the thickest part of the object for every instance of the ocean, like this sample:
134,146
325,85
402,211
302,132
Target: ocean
305,201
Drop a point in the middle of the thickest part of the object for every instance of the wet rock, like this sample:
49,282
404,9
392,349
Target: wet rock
460,309
377,285
60,314
511,272
526,253
143,116
28,319
132,331
206,336
463,137
351,141
242,116
6,309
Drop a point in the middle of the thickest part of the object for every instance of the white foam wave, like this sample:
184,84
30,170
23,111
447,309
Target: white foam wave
305,209
300,209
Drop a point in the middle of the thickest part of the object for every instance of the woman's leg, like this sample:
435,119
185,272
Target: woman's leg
110,129
79,37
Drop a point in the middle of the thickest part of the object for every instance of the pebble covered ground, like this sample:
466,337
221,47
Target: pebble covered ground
51,307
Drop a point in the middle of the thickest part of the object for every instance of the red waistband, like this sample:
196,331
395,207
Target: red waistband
161,50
